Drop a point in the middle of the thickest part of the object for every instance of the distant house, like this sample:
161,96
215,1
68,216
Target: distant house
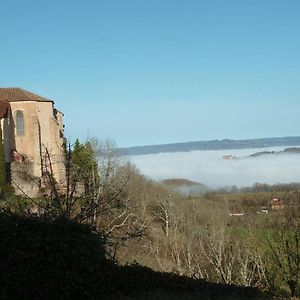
276,203
31,126
227,157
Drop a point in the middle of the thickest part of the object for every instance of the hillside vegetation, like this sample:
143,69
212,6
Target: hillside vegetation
117,234
59,259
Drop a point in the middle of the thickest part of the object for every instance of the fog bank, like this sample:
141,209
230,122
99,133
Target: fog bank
210,168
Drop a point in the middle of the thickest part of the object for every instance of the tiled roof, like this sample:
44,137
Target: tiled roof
17,94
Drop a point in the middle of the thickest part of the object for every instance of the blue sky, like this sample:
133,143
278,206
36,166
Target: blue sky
158,71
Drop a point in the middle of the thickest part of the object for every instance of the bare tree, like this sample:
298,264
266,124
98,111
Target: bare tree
284,246
164,209
96,192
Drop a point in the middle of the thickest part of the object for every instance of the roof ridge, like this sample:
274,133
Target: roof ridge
13,94
30,94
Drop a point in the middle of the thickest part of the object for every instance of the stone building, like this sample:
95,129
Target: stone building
31,127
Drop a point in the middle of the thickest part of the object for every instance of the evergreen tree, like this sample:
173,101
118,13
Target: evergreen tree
84,165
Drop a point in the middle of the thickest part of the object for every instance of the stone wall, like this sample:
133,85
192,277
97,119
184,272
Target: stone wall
23,181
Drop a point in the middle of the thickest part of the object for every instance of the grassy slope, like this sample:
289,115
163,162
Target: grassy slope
61,260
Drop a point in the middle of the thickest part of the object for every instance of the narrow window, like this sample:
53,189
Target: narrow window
20,129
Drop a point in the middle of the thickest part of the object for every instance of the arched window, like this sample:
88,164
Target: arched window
20,128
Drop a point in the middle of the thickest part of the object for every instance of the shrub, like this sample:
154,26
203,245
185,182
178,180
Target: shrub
50,259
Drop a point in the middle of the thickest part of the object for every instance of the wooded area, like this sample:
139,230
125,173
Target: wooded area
219,237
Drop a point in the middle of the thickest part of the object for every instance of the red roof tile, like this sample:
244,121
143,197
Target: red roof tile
17,94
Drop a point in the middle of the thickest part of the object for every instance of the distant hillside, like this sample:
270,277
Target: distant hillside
212,145
179,182
291,150
185,186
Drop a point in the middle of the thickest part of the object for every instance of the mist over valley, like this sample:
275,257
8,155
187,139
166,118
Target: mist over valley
220,168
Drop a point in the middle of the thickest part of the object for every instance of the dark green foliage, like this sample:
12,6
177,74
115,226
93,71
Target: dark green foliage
84,165
56,260
43,259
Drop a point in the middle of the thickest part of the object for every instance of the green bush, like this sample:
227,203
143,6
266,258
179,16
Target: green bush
50,259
